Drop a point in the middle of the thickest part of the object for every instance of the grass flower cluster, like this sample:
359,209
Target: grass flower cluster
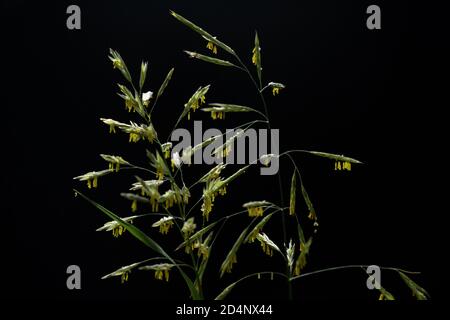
161,195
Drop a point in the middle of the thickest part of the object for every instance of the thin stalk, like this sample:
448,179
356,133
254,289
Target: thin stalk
280,182
351,266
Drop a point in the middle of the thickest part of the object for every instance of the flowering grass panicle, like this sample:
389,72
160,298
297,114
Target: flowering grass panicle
169,193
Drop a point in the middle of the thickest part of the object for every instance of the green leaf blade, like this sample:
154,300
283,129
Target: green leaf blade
231,256
202,32
417,291
143,74
165,83
293,194
312,212
257,59
209,59
138,234
334,157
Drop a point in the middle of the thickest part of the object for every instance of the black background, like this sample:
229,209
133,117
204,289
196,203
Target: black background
372,95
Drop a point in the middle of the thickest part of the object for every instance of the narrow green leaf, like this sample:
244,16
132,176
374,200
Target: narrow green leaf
257,59
125,91
122,270
235,175
193,102
312,213
202,32
121,66
385,295
417,291
226,107
130,267
231,256
257,229
293,194
143,75
334,156
301,260
140,109
226,291
301,234
138,234
165,83
209,59
204,263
